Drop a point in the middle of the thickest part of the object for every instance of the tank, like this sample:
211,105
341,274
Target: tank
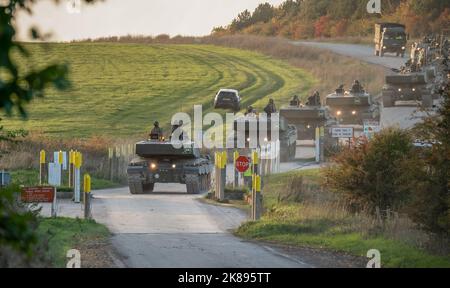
287,135
306,119
161,162
408,87
351,108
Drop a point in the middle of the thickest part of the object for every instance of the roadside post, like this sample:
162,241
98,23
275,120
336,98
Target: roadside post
61,164
317,145
77,180
236,173
223,175
71,162
322,144
42,168
87,196
258,199
255,179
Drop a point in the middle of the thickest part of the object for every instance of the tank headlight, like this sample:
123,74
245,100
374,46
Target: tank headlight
156,176
403,48
399,89
174,166
248,139
308,126
384,47
353,112
153,166
339,113
414,89
266,140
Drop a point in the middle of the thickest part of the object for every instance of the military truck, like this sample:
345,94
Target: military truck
351,108
408,87
390,38
227,99
252,125
162,162
306,119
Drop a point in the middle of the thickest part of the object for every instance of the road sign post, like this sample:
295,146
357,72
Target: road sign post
77,180
40,194
42,167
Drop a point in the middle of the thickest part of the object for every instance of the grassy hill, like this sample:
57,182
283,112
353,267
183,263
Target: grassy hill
120,89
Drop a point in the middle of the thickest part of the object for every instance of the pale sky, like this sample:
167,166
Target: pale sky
136,17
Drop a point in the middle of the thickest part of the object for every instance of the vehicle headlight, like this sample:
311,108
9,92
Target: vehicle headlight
339,113
174,166
248,139
353,112
384,47
266,140
399,89
403,48
308,126
414,89
153,166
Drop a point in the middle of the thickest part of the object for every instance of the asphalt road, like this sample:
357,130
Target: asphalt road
170,229
404,117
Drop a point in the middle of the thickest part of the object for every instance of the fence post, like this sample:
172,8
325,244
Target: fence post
77,188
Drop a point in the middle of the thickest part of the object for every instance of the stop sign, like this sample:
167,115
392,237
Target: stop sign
242,164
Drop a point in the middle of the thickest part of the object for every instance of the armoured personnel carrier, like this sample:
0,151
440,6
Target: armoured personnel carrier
306,119
351,108
408,87
160,162
287,134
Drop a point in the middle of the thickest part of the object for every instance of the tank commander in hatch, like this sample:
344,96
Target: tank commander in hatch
314,100
157,132
357,87
295,101
270,108
340,89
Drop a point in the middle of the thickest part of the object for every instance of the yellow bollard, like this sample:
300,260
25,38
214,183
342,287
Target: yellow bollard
258,183
60,158
255,158
87,196
224,159
42,167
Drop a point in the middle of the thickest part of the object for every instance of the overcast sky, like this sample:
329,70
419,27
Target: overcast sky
122,17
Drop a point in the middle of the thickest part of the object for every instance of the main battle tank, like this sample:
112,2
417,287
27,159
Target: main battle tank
287,134
306,119
351,108
161,162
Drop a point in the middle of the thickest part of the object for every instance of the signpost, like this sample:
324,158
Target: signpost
40,195
371,128
242,164
342,132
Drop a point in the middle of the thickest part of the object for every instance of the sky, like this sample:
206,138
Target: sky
136,17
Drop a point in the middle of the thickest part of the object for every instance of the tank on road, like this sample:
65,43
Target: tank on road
161,162
351,108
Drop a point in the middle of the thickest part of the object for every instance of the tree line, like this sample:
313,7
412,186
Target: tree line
303,19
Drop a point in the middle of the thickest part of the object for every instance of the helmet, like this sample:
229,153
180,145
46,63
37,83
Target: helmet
156,123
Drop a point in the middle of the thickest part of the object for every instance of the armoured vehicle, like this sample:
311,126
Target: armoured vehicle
351,108
160,162
252,125
390,38
306,119
408,87
227,99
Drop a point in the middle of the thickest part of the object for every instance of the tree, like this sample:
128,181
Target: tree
18,224
242,21
263,13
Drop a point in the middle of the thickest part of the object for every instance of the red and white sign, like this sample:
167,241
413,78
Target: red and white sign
242,164
38,194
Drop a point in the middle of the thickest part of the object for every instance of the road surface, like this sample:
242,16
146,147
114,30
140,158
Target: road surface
404,117
170,229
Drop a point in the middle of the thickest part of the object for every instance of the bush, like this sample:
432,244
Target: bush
368,175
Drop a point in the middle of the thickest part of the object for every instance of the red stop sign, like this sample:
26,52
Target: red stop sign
242,164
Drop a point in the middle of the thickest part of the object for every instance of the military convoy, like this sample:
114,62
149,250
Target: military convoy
160,162
421,77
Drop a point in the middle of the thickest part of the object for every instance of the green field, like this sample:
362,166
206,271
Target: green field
120,89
